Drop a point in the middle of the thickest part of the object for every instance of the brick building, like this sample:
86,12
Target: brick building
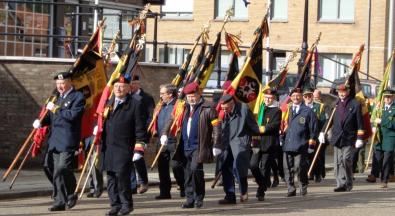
344,27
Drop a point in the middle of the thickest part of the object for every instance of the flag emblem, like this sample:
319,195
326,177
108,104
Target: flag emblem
248,89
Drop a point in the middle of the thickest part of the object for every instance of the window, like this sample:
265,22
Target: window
173,55
330,67
179,9
240,10
279,10
336,10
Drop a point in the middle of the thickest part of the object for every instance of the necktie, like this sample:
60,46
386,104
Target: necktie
386,108
294,110
116,103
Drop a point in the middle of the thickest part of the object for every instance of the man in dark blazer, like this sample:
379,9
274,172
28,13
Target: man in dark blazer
347,135
300,135
64,118
264,146
123,132
148,103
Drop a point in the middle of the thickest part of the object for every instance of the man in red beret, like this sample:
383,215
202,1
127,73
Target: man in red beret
199,140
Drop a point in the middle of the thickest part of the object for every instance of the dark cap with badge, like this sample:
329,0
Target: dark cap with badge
270,91
226,98
191,88
308,90
388,92
62,76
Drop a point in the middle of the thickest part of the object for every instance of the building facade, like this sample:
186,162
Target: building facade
345,25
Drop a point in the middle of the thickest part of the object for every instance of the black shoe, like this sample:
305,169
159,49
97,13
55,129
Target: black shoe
161,196
125,211
182,193
275,183
114,211
227,201
187,205
318,179
72,201
340,189
291,194
198,204
261,197
134,191
56,208
97,194
303,192
90,195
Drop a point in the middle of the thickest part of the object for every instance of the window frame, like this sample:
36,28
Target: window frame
338,19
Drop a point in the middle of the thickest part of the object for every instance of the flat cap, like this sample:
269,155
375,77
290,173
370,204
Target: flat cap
388,92
270,91
225,98
308,90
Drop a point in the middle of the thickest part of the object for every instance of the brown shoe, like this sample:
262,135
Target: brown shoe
384,185
142,189
371,179
244,198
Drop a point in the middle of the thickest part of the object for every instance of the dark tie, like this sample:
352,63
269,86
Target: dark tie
294,110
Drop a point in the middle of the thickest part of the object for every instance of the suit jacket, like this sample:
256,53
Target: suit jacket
124,127
387,130
301,131
65,123
237,131
271,122
346,132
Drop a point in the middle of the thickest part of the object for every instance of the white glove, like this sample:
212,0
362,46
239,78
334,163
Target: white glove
95,130
374,129
36,124
310,150
137,156
255,150
281,142
50,106
358,143
377,121
321,137
216,152
163,140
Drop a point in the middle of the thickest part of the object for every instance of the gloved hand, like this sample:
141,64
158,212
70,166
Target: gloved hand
321,137
95,130
374,129
358,143
163,140
216,151
50,106
137,156
377,121
36,124
255,150
310,150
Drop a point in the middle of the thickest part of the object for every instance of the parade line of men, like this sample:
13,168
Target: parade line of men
282,144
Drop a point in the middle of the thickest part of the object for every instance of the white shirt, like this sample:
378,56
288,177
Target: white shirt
296,108
64,95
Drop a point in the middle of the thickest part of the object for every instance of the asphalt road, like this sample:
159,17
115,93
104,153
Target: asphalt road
365,199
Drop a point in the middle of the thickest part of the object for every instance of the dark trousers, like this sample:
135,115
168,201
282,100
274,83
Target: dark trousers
295,163
260,169
48,165
140,167
119,191
385,164
194,177
229,173
164,163
277,162
63,177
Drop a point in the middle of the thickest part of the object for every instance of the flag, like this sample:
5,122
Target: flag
208,63
246,86
356,91
184,68
39,135
232,43
379,97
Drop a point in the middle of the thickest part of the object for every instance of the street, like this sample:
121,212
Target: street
365,199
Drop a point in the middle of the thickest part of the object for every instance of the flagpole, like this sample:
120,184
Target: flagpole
268,72
95,16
